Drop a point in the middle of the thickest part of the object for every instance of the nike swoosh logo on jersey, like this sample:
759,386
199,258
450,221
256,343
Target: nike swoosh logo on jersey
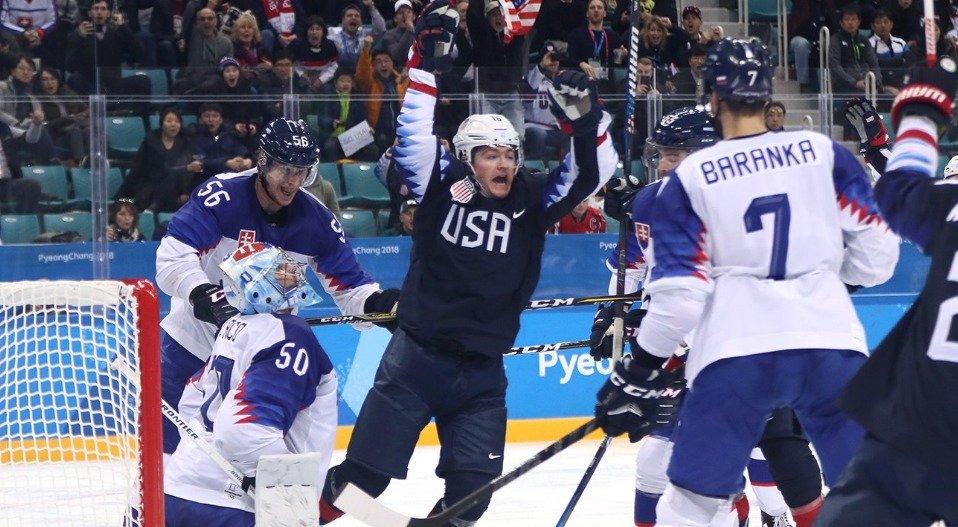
515,215
500,455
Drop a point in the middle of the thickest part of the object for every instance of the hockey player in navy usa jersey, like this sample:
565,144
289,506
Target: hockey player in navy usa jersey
755,238
264,204
905,470
477,249
268,388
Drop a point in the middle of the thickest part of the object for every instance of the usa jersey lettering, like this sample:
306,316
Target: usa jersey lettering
489,230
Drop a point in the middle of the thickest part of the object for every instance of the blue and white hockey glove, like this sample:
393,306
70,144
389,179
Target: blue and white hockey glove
600,339
210,305
386,301
637,400
574,102
435,31
928,92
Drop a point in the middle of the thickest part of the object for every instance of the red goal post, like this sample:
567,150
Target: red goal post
79,443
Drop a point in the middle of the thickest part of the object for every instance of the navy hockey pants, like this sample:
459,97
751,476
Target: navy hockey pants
414,383
177,365
185,513
886,487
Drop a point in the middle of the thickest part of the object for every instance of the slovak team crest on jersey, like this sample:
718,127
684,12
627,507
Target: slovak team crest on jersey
643,233
246,236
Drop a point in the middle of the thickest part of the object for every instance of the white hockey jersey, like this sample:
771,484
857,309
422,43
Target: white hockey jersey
268,388
755,239
224,212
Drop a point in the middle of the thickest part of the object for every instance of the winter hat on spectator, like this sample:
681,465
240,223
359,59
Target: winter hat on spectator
228,61
401,3
491,4
548,47
692,10
406,204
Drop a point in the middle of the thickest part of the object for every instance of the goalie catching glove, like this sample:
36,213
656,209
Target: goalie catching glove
575,104
638,400
435,31
929,93
210,304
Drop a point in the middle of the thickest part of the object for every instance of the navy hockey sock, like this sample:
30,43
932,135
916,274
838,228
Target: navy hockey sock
369,481
461,484
795,470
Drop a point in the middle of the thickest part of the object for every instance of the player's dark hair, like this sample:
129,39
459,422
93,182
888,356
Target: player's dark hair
881,13
316,20
851,9
210,107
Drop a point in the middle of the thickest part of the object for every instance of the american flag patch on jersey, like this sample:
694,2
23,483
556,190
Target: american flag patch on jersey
463,190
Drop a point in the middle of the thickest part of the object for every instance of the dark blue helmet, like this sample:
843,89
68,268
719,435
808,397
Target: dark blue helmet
289,142
688,129
738,70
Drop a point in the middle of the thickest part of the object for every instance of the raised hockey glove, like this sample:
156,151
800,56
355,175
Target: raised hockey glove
867,122
435,31
210,305
619,193
386,301
637,400
600,340
575,103
929,92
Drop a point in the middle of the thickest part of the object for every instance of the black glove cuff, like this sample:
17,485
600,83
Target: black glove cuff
645,359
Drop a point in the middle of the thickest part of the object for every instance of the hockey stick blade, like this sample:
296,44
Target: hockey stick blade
353,501
534,304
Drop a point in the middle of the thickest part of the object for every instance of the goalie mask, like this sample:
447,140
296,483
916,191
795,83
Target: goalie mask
260,278
482,130
678,134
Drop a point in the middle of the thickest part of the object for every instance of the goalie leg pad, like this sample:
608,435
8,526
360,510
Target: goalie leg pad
287,489
651,463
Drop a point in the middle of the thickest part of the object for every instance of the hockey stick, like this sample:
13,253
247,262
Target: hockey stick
353,501
540,348
584,481
930,50
534,304
121,365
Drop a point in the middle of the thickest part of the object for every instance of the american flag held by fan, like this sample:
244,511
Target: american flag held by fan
520,15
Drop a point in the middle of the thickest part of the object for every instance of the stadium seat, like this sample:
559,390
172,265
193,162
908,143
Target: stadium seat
361,187
330,172
534,164
53,183
83,186
312,121
611,224
359,223
942,161
147,224
123,136
159,83
81,222
766,10
19,228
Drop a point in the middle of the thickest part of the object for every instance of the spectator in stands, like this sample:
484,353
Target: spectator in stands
541,132
53,50
775,116
67,117
280,80
804,23
350,35
688,81
851,56
248,47
277,20
22,112
893,53
907,15
621,18
30,22
340,112
662,43
242,115
315,57
206,44
24,193
692,22
152,22
159,179
377,77
584,219
399,39
498,61
325,192
556,21
215,148
101,42
407,217
596,50
124,222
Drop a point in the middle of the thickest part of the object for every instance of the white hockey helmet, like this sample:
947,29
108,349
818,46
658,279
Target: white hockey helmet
260,278
951,169
485,129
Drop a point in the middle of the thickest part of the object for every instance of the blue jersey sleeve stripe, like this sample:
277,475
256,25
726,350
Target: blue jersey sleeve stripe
679,234
853,188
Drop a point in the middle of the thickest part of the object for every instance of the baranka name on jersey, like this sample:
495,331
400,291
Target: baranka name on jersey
758,159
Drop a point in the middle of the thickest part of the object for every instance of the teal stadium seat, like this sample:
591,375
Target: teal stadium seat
611,224
766,10
942,161
123,136
81,222
330,172
19,228
534,164
53,183
147,224
382,219
83,186
361,187
159,82
163,217
359,223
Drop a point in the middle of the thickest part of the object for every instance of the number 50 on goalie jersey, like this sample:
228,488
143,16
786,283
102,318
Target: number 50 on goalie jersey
765,229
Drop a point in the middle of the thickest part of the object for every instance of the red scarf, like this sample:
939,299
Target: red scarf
280,15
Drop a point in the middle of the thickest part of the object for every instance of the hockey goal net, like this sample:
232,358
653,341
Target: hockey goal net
79,442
